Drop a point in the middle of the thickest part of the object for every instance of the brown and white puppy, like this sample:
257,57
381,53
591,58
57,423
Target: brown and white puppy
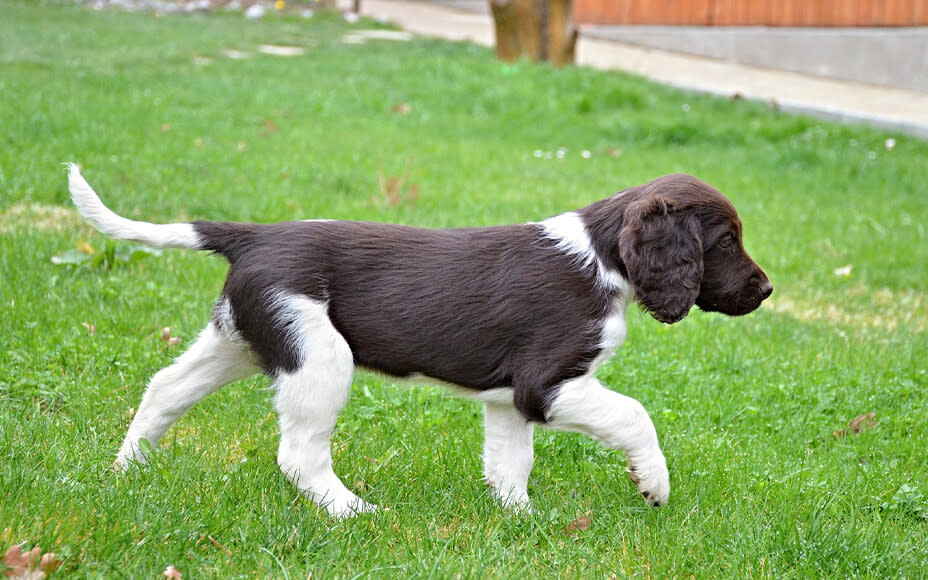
518,317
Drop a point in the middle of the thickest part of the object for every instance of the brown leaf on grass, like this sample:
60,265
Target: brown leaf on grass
30,565
859,423
90,328
49,563
579,524
613,152
412,192
172,573
166,336
402,108
863,422
270,127
394,189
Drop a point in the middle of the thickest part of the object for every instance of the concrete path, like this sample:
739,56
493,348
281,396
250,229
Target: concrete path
893,109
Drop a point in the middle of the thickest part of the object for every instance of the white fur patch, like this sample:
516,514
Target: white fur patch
572,238
568,230
612,333
499,396
225,320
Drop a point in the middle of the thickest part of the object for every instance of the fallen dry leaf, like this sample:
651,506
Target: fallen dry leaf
402,108
90,328
395,189
859,423
863,422
31,565
166,336
270,127
172,573
579,524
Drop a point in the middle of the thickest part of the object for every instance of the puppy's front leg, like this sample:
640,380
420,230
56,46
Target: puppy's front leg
583,405
508,454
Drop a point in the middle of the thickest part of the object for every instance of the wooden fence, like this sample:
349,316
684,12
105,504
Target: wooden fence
753,12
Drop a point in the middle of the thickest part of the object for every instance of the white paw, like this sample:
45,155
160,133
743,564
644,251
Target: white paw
652,479
129,454
350,508
510,497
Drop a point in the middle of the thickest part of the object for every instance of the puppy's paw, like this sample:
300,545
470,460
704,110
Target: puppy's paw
511,497
652,479
516,503
130,455
350,507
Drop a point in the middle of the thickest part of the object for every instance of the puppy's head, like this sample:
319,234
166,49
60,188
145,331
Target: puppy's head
680,243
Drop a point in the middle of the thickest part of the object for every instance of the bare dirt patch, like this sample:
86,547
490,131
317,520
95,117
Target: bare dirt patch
27,215
867,308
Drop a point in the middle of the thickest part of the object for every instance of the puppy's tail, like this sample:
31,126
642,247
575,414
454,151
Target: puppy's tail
157,235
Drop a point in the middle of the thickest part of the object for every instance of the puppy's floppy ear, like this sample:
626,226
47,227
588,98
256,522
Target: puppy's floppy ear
662,252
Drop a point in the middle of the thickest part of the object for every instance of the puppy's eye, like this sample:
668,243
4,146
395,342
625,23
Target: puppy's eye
726,242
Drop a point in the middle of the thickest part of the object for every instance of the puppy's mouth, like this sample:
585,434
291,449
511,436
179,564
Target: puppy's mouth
744,302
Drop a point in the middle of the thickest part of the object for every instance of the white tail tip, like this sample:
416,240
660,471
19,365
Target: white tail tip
179,235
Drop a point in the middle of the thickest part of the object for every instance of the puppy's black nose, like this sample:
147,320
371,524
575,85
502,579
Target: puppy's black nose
766,289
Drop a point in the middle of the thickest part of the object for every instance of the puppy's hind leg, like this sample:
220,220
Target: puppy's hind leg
212,362
309,399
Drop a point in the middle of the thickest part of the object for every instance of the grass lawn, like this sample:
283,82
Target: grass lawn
168,126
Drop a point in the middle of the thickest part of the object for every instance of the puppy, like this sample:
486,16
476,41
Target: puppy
518,317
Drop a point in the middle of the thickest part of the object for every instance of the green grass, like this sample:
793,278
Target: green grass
168,127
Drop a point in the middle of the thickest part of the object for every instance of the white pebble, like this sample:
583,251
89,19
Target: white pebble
255,11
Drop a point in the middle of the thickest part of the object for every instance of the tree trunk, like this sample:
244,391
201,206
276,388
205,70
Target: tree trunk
541,30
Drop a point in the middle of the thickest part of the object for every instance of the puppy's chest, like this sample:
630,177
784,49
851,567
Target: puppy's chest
612,330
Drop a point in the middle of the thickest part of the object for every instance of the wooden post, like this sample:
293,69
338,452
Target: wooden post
540,30
562,33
